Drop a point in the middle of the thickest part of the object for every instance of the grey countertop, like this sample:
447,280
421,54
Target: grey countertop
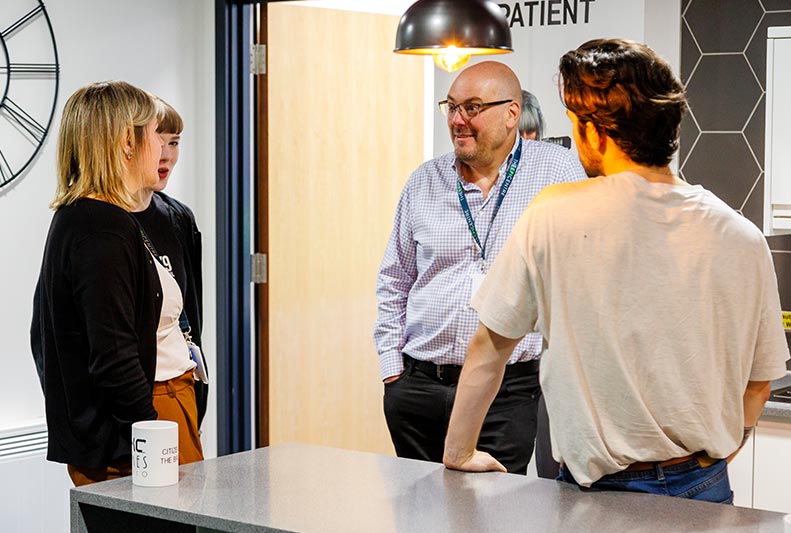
300,487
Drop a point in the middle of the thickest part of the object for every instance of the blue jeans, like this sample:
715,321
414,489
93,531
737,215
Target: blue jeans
683,480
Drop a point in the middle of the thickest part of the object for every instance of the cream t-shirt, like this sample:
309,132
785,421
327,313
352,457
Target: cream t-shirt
657,303
173,356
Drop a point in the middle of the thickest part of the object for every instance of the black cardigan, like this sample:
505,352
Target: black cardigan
182,222
93,336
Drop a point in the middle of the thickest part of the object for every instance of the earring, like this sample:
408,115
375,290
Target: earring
129,155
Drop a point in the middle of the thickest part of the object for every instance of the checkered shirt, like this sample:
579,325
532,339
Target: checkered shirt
425,280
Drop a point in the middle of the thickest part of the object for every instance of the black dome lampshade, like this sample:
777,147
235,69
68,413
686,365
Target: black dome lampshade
453,30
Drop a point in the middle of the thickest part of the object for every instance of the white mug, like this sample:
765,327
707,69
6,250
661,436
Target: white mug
155,453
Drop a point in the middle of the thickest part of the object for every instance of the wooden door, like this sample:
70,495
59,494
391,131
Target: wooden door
345,129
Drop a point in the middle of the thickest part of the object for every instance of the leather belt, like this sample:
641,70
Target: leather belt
700,457
449,374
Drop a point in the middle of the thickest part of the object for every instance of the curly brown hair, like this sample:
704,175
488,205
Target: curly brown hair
629,93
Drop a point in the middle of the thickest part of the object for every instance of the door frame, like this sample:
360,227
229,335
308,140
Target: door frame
233,168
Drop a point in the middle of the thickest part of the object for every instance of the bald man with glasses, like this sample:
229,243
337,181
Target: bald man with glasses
452,220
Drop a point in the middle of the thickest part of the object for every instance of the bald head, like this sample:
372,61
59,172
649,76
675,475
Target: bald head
490,79
482,141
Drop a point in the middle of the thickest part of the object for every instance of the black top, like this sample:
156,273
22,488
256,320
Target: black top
171,227
93,336
160,228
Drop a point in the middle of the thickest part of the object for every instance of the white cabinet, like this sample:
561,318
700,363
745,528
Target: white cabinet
760,472
777,164
772,466
740,474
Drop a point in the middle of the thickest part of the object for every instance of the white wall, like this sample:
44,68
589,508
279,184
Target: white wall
167,47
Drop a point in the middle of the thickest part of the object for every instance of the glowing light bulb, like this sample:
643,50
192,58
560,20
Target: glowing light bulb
451,59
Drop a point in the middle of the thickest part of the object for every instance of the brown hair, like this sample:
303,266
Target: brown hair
98,120
169,119
628,92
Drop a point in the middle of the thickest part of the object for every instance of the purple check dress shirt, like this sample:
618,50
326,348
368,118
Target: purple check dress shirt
425,280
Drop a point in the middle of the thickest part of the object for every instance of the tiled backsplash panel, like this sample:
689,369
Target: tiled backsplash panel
723,65
689,136
753,208
777,5
690,54
726,94
723,25
755,131
756,51
723,92
782,261
719,158
780,243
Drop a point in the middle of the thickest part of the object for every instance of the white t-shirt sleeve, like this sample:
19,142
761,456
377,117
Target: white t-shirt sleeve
506,302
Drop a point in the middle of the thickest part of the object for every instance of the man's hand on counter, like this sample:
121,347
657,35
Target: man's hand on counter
478,462
480,380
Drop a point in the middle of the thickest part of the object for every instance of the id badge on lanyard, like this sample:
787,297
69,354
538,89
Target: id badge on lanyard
477,280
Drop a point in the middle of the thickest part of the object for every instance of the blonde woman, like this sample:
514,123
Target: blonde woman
100,294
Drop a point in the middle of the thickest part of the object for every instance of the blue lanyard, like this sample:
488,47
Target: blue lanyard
465,207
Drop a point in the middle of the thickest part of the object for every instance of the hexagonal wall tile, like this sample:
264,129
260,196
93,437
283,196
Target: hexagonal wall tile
776,5
723,25
690,53
755,131
723,164
782,264
753,209
723,92
689,134
780,242
756,50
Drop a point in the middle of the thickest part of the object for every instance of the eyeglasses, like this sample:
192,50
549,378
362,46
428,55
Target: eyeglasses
468,110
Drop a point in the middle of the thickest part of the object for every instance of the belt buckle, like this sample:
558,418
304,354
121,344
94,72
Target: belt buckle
440,372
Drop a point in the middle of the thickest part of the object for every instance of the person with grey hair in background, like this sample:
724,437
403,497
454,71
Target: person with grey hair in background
531,122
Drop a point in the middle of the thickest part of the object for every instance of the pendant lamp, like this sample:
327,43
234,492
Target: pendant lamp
453,30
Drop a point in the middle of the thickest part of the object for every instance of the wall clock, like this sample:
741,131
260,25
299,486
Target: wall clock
29,73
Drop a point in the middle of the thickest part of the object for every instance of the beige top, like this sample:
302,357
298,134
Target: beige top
173,357
657,304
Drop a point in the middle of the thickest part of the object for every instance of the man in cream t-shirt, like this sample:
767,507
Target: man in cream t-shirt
657,302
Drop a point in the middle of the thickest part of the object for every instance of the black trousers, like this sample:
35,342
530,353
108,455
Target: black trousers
417,407
546,466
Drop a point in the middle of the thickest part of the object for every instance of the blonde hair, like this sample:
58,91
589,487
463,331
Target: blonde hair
169,119
98,121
